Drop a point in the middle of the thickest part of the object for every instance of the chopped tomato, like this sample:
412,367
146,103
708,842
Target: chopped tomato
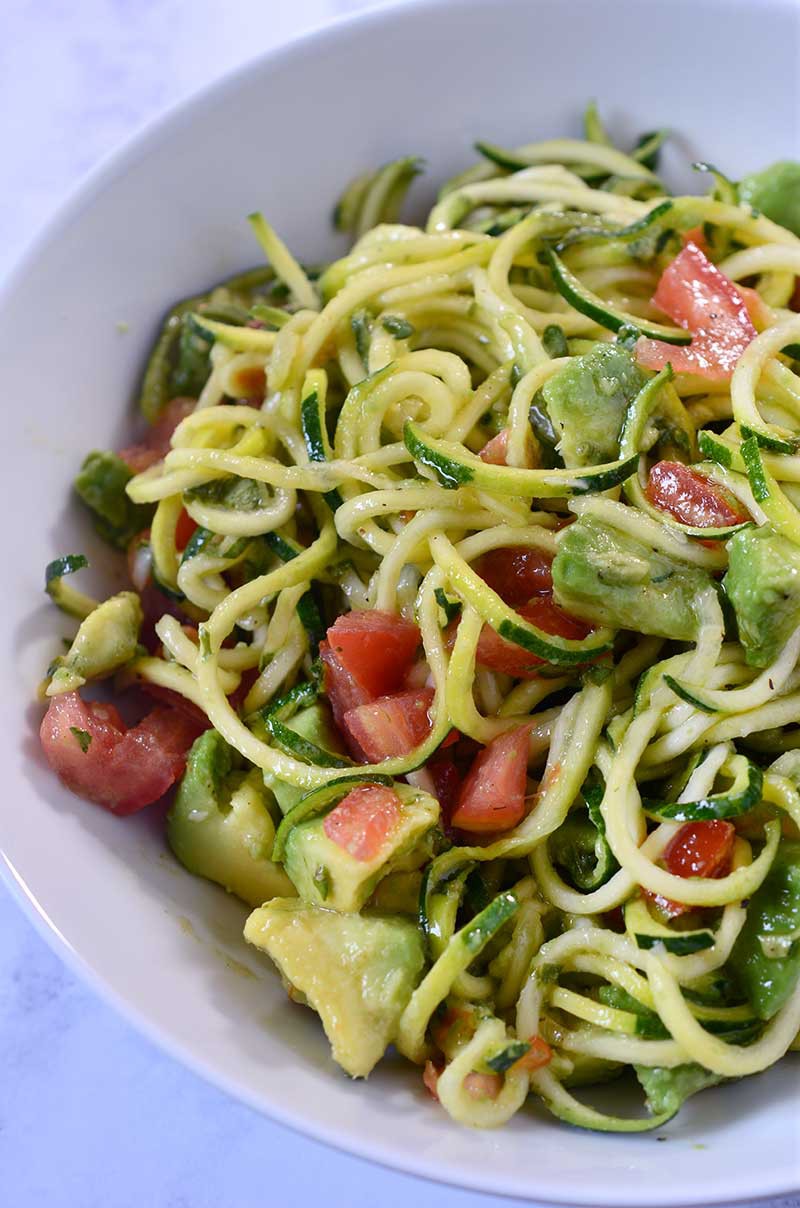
453,1027
495,450
697,296
498,654
184,529
446,782
701,849
391,725
691,497
696,236
483,1086
87,745
516,573
493,794
176,701
376,648
430,1078
538,1055
362,822
342,689
698,849
155,445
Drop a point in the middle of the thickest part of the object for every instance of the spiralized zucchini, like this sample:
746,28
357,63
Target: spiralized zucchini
332,463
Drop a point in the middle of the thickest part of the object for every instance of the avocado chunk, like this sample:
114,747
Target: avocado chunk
766,956
316,724
763,585
106,640
358,972
587,401
101,485
668,1089
220,826
775,192
326,874
610,578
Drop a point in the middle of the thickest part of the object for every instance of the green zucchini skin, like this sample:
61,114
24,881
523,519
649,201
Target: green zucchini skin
454,466
716,806
589,304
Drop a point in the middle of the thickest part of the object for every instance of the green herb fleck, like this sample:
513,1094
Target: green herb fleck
82,737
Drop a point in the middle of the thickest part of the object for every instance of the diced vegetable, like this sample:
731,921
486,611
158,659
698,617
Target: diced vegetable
516,573
766,957
375,648
498,654
609,578
156,443
691,497
493,794
587,401
101,485
763,585
363,820
391,725
694,293
775,191
122,770
357,971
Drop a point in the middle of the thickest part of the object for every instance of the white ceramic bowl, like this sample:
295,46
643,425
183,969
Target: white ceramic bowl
165,217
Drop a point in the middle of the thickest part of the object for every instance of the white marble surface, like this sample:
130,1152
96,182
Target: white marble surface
91,1115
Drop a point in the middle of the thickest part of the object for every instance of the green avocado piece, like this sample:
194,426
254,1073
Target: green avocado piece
587,401
358,972
105,641
609,578
327,874
763,585
316,724
101,485
220,826
775,192
668,1089
766,956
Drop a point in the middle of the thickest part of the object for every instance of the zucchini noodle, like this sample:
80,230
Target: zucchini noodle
461,525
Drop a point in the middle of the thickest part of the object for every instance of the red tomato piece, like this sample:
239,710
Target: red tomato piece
495,450
122,770
516,572
184,529
446,782
493,794
376,648
430,1078
391,725
696,236
697,296
691,497
483,1086
538,1055
698,849
156,443
498,654
176,701
701,849
362,822
342,689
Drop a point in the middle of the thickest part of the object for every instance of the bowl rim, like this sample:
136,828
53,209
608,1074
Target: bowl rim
739,1187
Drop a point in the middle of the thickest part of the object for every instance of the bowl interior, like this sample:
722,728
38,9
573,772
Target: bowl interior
164,218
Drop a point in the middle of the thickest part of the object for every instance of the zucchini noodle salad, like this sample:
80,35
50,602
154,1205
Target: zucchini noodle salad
464,619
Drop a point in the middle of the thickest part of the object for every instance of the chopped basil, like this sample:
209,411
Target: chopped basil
82,737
